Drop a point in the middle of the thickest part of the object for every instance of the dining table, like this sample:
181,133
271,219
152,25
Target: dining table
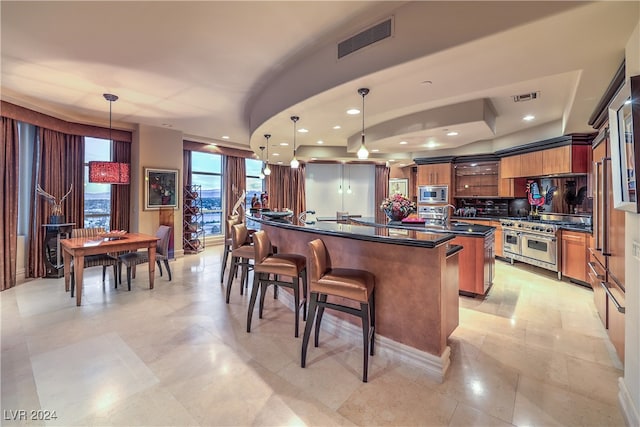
77,248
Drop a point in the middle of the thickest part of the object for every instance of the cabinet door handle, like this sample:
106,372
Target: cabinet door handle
592,267
597,193
605,207
620,308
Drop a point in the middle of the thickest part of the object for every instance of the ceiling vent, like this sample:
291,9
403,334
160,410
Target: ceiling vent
365,38
526,97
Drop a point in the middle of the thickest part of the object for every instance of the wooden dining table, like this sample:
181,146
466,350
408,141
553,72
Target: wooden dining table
77,248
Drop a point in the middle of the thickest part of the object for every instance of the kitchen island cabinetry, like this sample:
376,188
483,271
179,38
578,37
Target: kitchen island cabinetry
477,264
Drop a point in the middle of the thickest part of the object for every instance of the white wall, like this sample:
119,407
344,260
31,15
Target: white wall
322,186
156,148
630,387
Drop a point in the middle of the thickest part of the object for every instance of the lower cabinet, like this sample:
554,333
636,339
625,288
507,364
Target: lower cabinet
574,255
477,263
498,239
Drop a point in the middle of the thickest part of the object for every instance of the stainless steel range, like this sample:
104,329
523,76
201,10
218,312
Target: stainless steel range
533,242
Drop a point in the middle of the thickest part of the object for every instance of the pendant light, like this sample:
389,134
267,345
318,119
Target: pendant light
363,153
262,158
109,172
341,178
349,179
267,169
294,161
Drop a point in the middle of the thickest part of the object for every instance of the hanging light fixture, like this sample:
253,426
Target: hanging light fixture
267,169
341,178
294,162
363,153
262,158
109,172
349,179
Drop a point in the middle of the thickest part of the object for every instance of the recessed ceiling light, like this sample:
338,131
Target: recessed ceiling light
375,150
402,164
225,136
528,118
431,144
279,163
303,130
353,111
284,144
391,160
473,164
275,154
319,141
313,158
403,142
452,133
336,127
426,82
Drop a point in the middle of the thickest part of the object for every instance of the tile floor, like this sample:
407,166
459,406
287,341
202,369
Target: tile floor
531,354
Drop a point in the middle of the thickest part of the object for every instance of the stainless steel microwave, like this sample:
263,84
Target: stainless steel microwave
433,194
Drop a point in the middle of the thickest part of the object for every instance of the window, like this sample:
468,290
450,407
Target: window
206,171
255,184
97,197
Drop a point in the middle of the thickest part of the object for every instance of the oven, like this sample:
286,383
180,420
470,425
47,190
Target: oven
541,248
533,243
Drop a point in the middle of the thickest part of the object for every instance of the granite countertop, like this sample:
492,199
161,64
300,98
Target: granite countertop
406,236
453,227
579,227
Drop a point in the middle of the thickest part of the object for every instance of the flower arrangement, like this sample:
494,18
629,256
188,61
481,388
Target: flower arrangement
397,207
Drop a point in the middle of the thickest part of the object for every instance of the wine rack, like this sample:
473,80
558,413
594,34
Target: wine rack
192,220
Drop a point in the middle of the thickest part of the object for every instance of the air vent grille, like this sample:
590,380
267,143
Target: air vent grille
526,97
365,38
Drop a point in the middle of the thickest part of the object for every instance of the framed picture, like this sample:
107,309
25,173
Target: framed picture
399,185
624,128
160,188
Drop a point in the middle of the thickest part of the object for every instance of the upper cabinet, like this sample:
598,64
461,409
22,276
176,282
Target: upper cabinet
569,155
435,174
477,179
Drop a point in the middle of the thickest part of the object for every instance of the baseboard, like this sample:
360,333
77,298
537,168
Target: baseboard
627,406
21,275
434,366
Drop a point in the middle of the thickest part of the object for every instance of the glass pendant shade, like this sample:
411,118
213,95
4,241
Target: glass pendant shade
294,162
363,153
267,169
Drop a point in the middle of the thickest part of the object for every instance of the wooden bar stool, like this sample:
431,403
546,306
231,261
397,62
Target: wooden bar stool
242,253
230,222
266,264
349,283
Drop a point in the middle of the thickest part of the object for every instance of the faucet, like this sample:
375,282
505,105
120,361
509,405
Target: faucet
445,218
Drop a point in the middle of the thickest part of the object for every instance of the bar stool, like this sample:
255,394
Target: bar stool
265,264
230,222
242,253
348,283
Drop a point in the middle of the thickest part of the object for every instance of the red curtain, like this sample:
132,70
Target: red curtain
286,188
235,182
9,210
381,190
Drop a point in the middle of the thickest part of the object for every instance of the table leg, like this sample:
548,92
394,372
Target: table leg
67,269
152,264
78,267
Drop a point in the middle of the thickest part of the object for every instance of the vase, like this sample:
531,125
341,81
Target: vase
395,215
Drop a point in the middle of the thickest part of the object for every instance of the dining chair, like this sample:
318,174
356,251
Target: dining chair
103,260
131,259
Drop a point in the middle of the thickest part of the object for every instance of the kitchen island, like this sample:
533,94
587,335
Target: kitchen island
477,261
416,283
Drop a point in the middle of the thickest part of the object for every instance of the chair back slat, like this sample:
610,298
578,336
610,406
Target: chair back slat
318,262
262,246
239,234
87,232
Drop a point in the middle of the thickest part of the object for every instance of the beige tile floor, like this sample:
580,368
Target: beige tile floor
531,354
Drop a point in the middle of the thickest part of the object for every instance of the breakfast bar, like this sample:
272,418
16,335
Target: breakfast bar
416,280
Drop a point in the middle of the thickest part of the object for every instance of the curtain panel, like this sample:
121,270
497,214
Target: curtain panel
120,194
381,191
235,182
286,188
9,210
58,165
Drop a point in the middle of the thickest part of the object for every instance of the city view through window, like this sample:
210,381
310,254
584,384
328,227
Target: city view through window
97,197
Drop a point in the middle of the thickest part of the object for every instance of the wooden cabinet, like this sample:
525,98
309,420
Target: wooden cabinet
596,275
498,238
510,167
566,160
531,164
476,179
477,263
574,255
508,185
435,174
